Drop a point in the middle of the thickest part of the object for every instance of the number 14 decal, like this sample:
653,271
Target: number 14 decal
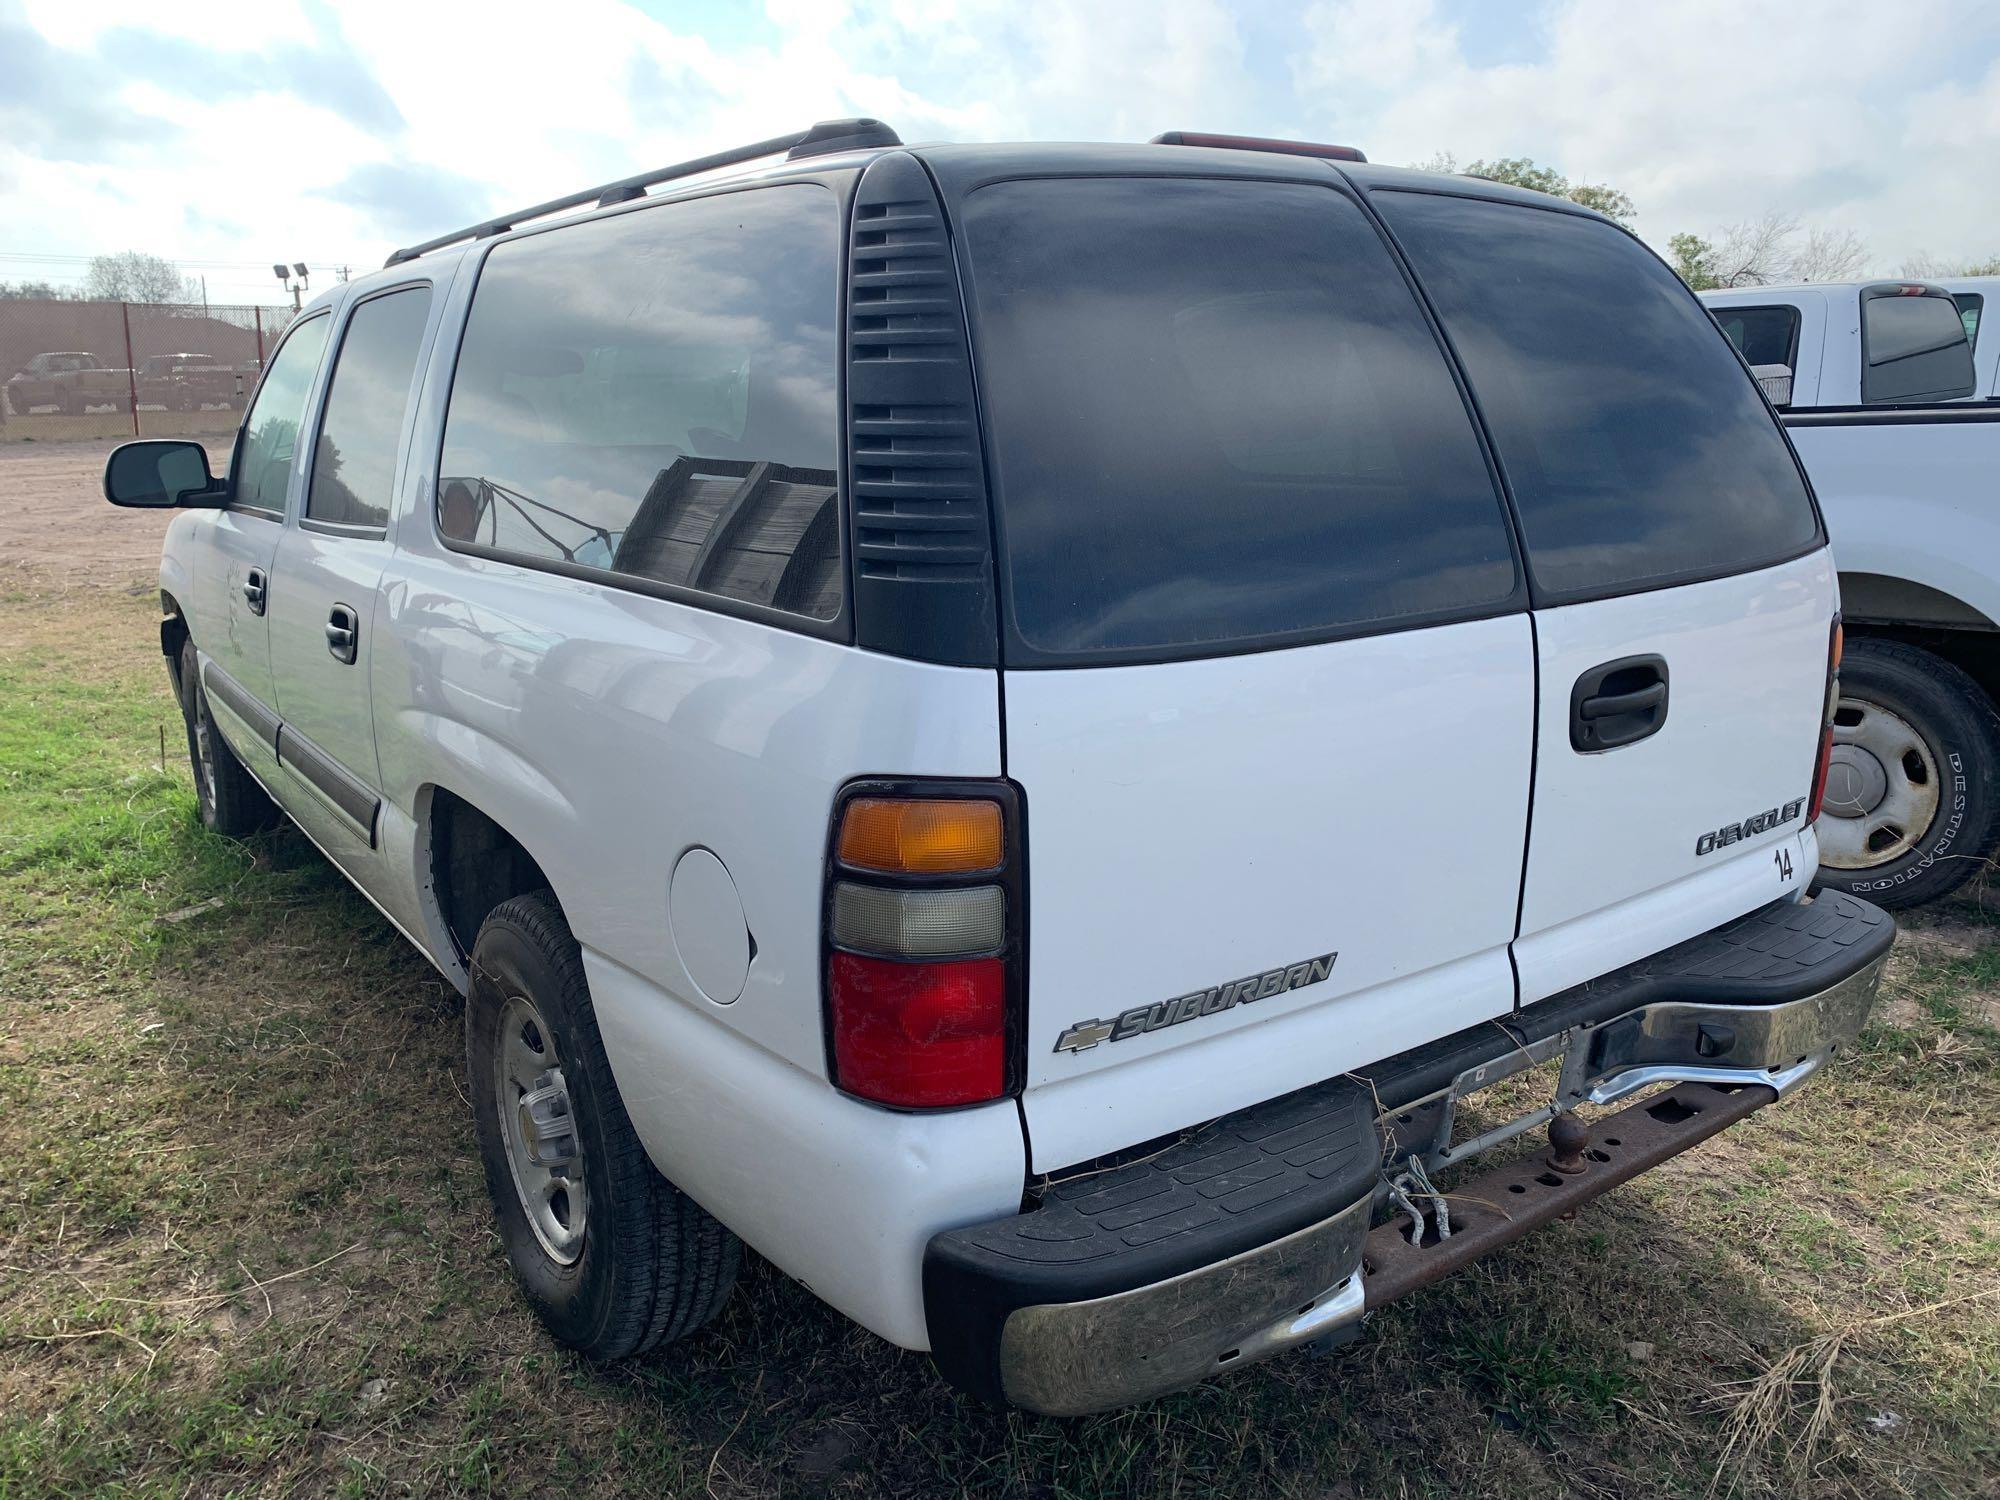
1783,859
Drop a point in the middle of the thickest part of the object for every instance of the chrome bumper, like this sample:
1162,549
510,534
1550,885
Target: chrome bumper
1072,1357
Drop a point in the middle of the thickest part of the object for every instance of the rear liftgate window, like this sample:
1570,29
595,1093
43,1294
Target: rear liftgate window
653,396
1218,420
1638,449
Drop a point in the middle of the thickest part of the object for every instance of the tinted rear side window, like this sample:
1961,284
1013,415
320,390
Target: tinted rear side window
1638,449
1217,418
653,396
1762,335
361,432
1913,348
1969,307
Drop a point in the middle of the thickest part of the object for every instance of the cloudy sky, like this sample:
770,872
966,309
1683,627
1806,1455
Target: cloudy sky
227,134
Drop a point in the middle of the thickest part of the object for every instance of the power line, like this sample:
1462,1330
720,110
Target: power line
224,265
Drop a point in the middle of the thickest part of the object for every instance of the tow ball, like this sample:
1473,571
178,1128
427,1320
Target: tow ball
1568,1139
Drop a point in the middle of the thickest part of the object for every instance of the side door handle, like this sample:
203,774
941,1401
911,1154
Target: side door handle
1618,703
253,590
343,633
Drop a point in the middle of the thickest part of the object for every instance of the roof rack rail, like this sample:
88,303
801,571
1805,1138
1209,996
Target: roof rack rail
822,139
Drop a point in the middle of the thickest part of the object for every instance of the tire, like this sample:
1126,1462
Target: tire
232,803
637,1262
1917,760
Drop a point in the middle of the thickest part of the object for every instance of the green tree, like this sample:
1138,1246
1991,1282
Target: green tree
1524,172
1694,259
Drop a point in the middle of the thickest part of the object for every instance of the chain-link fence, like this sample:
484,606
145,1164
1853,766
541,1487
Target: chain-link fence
129,369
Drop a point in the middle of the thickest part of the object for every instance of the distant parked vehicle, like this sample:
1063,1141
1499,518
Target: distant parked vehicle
188,382
1894,405
72,380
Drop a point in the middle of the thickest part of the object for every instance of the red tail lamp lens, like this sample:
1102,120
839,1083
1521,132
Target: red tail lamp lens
1835,646
1819,775
919,1035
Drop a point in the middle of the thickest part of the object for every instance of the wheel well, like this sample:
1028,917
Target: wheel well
475,865
1974,652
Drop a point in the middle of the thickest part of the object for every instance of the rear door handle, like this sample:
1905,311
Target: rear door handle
343,633
253,590
1605,705
1618,703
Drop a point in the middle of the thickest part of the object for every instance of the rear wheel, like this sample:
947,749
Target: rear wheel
232,803
612,1256
1912,804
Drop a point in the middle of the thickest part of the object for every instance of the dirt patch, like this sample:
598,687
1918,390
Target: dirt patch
53,515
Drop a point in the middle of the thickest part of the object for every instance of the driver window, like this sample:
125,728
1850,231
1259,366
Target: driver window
271,433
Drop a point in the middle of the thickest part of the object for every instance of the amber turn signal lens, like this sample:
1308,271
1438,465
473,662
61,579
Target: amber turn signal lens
921,837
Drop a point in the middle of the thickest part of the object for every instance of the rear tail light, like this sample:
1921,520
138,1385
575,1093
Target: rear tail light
1835,644
924,977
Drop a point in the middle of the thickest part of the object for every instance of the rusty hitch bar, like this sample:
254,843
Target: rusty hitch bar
1500,1206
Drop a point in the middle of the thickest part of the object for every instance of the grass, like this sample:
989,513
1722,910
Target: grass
244,1245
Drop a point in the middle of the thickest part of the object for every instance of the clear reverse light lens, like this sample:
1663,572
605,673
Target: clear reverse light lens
919,924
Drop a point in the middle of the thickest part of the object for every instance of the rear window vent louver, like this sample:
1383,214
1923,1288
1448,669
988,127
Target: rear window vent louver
923,565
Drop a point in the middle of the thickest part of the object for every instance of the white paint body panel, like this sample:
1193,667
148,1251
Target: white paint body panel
1919,502
837,1193
328,701
1612,870
1190,823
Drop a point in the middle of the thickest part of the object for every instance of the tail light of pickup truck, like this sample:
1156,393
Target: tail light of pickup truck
923,943
1837,640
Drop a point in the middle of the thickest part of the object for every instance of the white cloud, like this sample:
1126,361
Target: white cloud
1705,111
332,124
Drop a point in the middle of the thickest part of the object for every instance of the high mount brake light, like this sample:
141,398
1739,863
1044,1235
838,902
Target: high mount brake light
1836,643
1257,143
923,943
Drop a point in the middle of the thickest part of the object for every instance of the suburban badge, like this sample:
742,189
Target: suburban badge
1083,1035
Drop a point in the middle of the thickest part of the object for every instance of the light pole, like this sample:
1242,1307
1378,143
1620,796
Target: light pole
285,273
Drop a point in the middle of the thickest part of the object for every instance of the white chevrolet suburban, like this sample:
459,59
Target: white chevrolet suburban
1017,727
1893,401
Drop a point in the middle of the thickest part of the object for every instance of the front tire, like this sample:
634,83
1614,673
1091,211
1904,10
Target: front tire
612,1257
232,803
1912,807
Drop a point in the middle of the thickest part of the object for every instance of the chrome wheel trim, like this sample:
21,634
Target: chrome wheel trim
204,749
1889,785
532,1097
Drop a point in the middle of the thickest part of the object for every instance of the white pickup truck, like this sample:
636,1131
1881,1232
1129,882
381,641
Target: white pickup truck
1892,399
1016,726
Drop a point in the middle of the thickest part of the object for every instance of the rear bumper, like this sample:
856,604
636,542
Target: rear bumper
1277,1226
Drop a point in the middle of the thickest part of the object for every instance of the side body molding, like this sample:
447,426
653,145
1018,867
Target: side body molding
345,792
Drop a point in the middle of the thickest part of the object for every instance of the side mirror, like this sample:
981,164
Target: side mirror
160,472
1776,381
